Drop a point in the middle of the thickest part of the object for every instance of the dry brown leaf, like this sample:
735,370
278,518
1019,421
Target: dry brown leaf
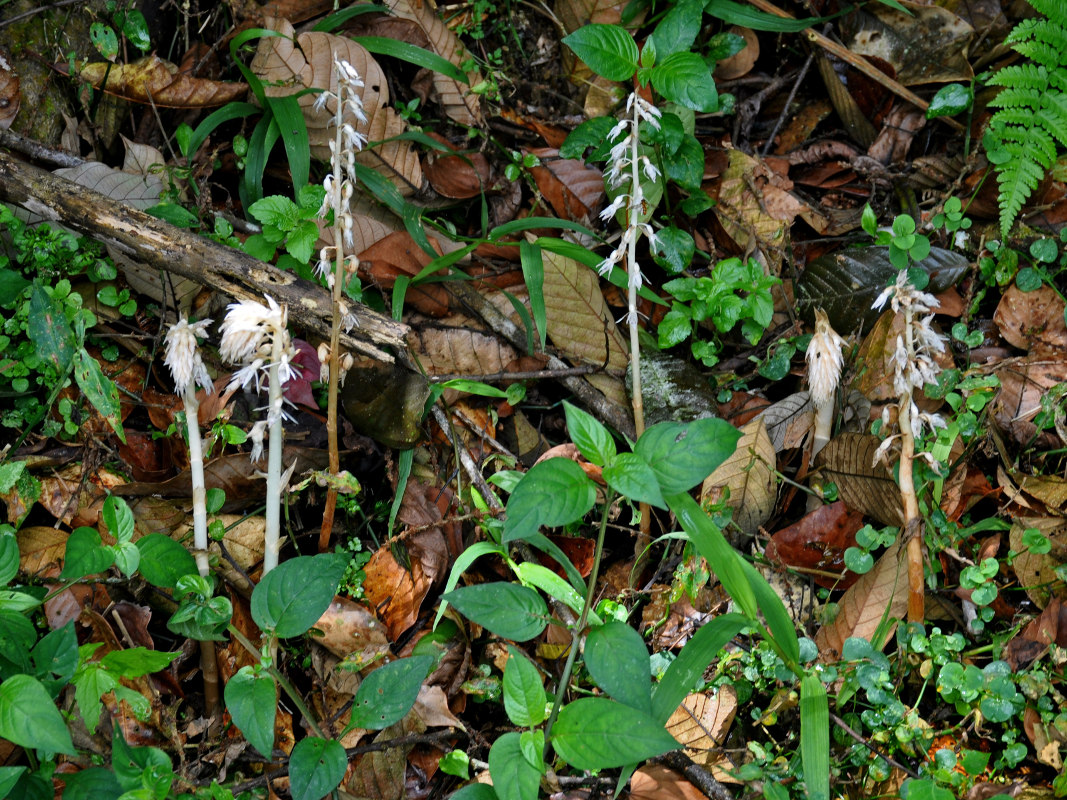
753,210
1049,489
459,351
1037,571
456,176
740,63
748,474
459,103
395,255
77,499
701,722
153,80
574,190
432,708
818,542
881,594
875,355
41,549
380,775
789,421
1023,382
351,632
656,782
581,324
290,63
848,461
1030,319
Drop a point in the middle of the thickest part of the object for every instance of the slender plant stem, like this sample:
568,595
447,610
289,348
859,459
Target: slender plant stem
912,521
271,538
208,664
579,628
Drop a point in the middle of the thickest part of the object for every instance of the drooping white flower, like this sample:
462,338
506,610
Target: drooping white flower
248,335
825,361
183,356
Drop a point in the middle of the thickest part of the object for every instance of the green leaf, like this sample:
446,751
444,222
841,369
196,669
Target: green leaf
384,46
553,493
541,577
49,330
29,717
674,328
163,560
55,656
950,100
608,50
135,28
684,454
17,636
289,118
252,701
388,693
592,439
85,554
506,609
119,518
685,79
133,765
533,273
94,783
104,39
300,243
228,112
712,545
316,767
276,210
514,777
524,694
591,133
774,612
678,29
475,791
688,668
135,662
9,776
9,555
674,253
12,283
127,557
629,475
465,559
292,597
597,733
174,214
748,17
616,657
815,737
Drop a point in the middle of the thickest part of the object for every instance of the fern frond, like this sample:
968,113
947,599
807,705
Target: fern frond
1050,37
1055,10
1017,179
1025,139
1018,98
1021,76
1043,53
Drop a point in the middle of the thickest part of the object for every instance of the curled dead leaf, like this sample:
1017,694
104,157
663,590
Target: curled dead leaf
153,80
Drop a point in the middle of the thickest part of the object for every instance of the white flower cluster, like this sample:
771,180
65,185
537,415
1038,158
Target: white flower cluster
249,334
340,184
183,356
628,164
914,360
825,361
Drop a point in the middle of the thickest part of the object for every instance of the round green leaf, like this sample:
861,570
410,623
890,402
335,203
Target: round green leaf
608,50
252,701
292,597
316,767
505,609
597,733
675,250
85,554
388,693
30,719
950,100
554,492
617,658
163,560
524,695
684,454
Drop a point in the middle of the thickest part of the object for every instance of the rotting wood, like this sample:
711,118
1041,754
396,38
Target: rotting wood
162,246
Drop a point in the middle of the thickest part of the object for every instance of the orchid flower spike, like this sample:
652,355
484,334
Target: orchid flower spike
183,356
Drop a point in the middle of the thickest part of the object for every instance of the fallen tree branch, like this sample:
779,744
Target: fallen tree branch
162,246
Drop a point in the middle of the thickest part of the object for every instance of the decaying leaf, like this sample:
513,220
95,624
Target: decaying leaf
701,722
748,476
289,63
10,96
351,632
457,176
574,190
656,782
1037,571
1023,382
1032,319
581,324
395,255
789,421
153,80
818,542
874,359
459,351
848,461
874,604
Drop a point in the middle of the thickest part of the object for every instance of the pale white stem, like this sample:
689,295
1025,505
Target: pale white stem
271,541
634,276
824,423
196,472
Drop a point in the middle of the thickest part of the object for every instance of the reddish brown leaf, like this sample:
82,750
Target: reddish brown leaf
818,542
153,80
1034,639
573,190
397,254
1029,319
457,176
10,96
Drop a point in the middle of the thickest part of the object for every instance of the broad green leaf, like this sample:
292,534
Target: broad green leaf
685,168
55,656
29,717
11,285
815,737
10,471
684,454
597,733
506,609
524,693
276,210
9,776
135,28
533,273
91,682
631,476
678,29
466,558
774,611
133,765
712,545
9,556
475,791
553,493
94,783
85,554
541,577
292,597
119,518
685,79
514,777
592,439
17,636
748,17
252,701
608,50
127,557
49,330
134,662
163,560
99,389
616,657
17,601
591,133
388,693
674,252
316,767
688,668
